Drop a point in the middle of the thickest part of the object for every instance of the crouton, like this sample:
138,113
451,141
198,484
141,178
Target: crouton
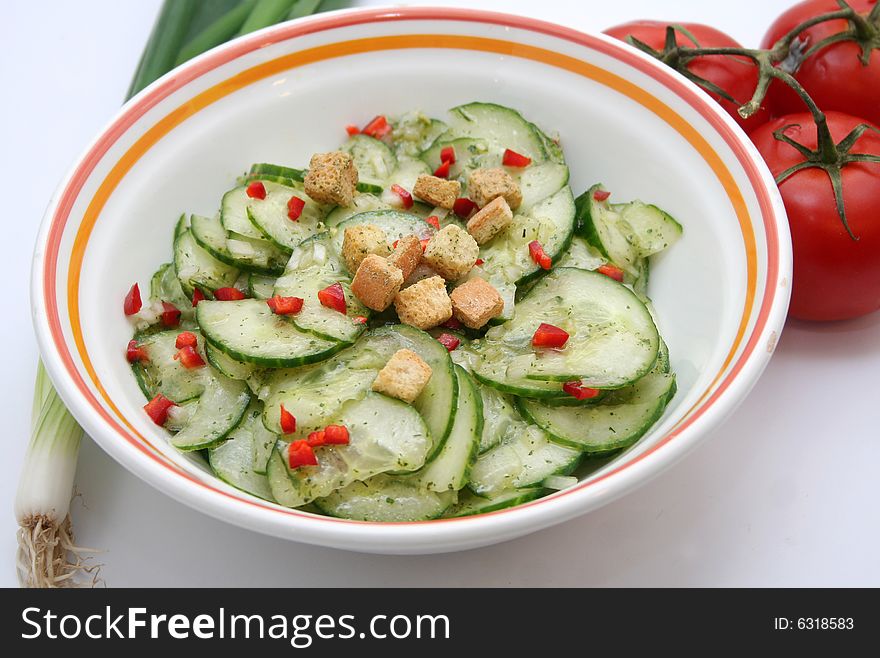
484,185
424,304
437,191
407,255
475,302
452,252
361,240
490,221
403,377
332,178
376,282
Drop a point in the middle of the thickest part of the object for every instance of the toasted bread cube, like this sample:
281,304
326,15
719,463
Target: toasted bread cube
475,302
484,185
490,221
332,178
424,304
407,255
376,282
361,240
452,252
403,377
437,191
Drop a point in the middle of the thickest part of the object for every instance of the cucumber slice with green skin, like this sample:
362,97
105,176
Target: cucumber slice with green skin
612,337
162,373
502,126
179,416
248,331
375,162
260,287
233,461
448,471
582,255
395,223
540,181
227,365
290,177
361,203
490,367
269,215
551,146
469,504
234,216
652,230
241,252
414,132
470,153
384,435
165,287
219,410
313,266
500,418
407,171
195,267
386,499
621,420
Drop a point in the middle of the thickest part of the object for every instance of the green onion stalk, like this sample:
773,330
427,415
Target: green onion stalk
47,553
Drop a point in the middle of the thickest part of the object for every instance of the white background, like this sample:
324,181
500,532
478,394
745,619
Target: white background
786,493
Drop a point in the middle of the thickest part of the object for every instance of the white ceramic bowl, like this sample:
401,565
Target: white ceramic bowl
283,93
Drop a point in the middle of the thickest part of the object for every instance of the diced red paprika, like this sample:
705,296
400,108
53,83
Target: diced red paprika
288,421
198,296
285,305
536,251
448,341
548,335
434,221
132,303
316,439
575,390
443,170
186,338
336,435
464,207
424,242
360,319
228,294
256,190
405,196
611,270
514,159
452,323
135,353
352,129
601,195
300,453
333,296
295,207
157,409
189,358
378,127
479,262
447,154
170,315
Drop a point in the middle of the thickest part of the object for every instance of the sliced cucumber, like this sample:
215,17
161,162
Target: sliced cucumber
500,418
407,171
197,268
260,287
414,132
469,504
499,125
652,230
375,162
470,153
384,435
540,181
244,253
162,373
234,216
248,331
387,499
270,216
448,471
292,177
219,410
227,365
361,203
165,287
490,367
621,420
582,255
234,460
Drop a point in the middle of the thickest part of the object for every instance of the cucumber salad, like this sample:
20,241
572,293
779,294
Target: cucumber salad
424,323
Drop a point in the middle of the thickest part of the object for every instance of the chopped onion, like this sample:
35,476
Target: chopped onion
319,254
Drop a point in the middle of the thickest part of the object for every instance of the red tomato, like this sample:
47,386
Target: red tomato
835,277
738,76
834,77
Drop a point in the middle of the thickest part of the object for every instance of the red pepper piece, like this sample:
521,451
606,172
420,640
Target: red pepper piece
443,170
452,323
157,409
198,296
285,305
135,353
548,335
361,319
378,127
575,390
186,338
300,453
479,262
256,190
295,207
170,315
404,195
449,341
447,154
434,221
601,195
514,159
228,294
316,439
464,207
288,421
333,297
132,303
536,251
611,270
189,358
424,242
351,129
394,244
336,435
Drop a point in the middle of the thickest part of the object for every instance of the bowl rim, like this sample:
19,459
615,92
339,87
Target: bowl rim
440,534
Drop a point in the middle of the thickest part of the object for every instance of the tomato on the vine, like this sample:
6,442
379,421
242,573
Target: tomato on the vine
735,75
834,76
835,277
